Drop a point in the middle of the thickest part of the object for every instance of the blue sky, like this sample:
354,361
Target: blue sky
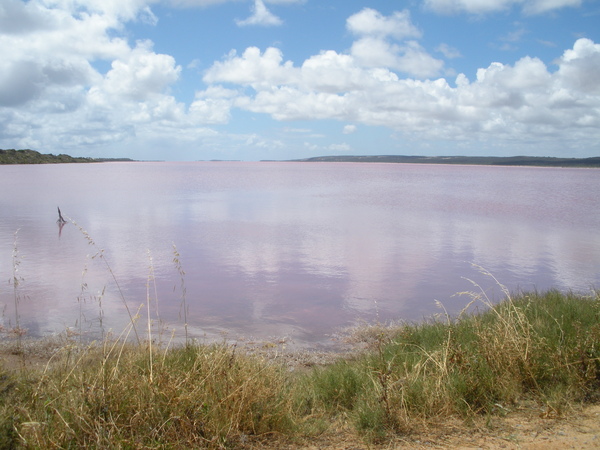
282,79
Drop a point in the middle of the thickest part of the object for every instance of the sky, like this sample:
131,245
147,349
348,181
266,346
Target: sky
188,80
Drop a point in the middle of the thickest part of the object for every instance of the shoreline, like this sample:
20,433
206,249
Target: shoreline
525,426
522,374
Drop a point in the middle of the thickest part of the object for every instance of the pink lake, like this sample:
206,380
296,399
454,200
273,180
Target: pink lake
282,249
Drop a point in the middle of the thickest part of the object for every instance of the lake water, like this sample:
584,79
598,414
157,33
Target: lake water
294,250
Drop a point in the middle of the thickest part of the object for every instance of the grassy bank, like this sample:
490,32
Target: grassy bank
541,348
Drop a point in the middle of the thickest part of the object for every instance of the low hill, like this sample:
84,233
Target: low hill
34,157
478,160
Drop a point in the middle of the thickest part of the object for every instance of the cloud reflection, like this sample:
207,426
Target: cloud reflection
277,249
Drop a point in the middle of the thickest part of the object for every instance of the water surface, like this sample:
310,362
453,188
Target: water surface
293,250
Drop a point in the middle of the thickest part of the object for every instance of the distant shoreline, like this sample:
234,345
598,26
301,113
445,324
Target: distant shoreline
537,161
34,157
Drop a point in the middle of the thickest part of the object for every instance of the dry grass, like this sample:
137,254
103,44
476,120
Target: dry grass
106,395
536,349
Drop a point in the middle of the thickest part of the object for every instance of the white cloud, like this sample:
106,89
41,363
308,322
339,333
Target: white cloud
579,68
524,101
375,52
285,2
121,10
341,148
470,6
542,6
252,68
514,36
349,129
205,3
52,95
489,6
212,106
196,3
20,18
296,130
448,51
140,75
415,61
370,22
330,72
374,47
50,57
260,16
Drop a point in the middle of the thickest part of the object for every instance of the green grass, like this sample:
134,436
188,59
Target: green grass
536,347
544,347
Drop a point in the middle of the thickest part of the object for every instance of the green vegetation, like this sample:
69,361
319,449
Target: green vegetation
34,157
542,161
537,347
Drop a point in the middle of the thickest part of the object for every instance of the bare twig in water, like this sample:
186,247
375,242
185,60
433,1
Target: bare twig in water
60,217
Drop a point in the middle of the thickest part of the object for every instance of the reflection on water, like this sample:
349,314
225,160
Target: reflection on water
286,249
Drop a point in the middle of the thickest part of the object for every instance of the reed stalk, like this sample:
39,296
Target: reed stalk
16,282
151,279
183,304
100,254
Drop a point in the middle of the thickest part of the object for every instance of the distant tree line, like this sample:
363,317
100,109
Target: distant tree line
544,161
34,157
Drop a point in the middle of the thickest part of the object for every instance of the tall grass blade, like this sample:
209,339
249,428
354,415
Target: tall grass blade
100,254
